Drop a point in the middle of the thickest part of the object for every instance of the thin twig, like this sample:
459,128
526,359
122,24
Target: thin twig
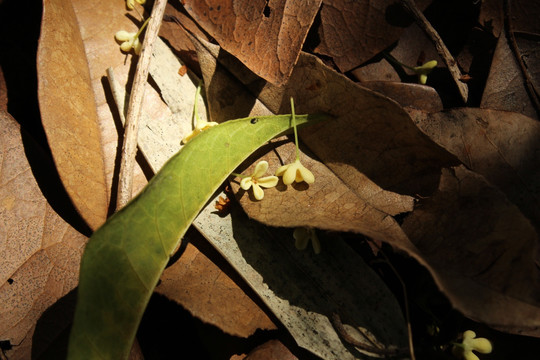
533,95
338,325
129,147
443,51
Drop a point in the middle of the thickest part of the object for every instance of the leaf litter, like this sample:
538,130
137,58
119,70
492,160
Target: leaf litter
462,201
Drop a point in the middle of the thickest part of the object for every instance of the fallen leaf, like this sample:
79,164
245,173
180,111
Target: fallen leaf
502,146
481,251
415,96
360,114
505,89
326,204
266,36
271,350
303,289
40,251
68,111
353,32
200,286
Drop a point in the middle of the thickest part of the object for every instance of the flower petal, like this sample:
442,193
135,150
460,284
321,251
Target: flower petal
305,175
482,345
137,46
123,35
258,192
126,46
246,183
190,136
268,181
260,169
282,169
290,174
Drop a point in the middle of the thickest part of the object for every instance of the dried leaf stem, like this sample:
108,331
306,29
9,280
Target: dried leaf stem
129,147
531,90
338,325
443,51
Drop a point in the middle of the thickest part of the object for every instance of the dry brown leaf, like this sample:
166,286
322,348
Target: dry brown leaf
271,350
200,286
414,96
481,251
372,136
40,251
326,204
505,88
353,32
176,37
502,146
68,111
266,36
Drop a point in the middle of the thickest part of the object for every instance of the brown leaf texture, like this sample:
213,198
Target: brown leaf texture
371,135
505,89
271,350
40,251
502,146
326,204
353,32
481,251
68,111
266,36
200,286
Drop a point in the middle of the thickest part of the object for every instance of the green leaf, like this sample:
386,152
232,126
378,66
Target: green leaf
124,258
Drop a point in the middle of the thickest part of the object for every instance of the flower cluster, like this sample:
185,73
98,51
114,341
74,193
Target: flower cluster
130,40
294,172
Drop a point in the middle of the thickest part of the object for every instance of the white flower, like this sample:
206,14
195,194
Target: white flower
255,180
295,172
471,343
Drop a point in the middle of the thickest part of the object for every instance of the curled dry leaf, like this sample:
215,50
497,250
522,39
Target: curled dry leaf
353,32
481,251
266,36
68,111
500,145
40,251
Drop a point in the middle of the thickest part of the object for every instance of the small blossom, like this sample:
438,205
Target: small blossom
295,172
302,236
131,3
129,40
423,70
199,128
471,343
256,180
